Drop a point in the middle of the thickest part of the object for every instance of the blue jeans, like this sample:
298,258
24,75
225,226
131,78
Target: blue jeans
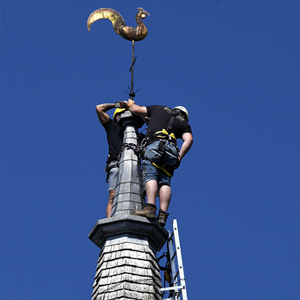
167,156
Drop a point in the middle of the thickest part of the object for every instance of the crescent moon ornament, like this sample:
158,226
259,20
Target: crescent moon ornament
137,33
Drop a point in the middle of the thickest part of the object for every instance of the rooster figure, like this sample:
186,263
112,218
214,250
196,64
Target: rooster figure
129,33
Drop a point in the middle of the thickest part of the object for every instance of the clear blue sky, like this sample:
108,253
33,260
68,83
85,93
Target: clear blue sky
234,64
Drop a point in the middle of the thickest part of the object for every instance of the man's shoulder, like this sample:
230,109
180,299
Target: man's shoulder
110,124
182,124
158,107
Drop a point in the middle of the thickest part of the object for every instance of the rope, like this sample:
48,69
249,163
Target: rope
137,149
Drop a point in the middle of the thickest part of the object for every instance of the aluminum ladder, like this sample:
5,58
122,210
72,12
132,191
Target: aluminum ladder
177,289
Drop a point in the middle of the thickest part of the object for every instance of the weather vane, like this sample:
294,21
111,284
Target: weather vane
132,34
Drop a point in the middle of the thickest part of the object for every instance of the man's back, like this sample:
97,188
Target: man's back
114,133
159,119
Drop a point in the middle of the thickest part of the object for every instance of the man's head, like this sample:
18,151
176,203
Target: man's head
183,111
117,113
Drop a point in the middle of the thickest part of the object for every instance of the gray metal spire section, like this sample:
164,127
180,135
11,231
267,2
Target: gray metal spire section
129,189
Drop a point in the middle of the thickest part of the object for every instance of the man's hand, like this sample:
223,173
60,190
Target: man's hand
136,109
130,102
178,162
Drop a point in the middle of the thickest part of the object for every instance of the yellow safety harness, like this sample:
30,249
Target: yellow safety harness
162,136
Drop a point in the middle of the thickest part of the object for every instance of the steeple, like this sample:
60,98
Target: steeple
127,267
129,189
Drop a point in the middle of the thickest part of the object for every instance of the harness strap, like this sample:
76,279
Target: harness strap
174,113
165,134
111,158
158,162
159,136
167,169
170,124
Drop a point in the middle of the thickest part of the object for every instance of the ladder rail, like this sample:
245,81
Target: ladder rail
179,259
178,284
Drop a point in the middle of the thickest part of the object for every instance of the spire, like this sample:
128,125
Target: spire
127,266
129,189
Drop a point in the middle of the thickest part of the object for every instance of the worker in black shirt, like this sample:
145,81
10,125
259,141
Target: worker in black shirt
114,133
162,155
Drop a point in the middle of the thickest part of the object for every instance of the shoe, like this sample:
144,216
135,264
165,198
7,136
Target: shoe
149,211
162,218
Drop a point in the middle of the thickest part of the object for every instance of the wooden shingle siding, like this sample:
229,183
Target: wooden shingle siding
127,271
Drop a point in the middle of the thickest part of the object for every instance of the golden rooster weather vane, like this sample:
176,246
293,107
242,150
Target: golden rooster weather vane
133,34
137,33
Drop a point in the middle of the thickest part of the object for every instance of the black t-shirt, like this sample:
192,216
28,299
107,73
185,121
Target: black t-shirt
159,119
114,133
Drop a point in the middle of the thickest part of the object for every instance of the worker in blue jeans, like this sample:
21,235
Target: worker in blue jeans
162,155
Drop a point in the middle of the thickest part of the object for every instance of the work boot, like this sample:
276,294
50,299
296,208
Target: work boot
162,218
149,211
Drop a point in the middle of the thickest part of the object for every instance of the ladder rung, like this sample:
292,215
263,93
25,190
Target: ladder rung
171,235
172,258
175,288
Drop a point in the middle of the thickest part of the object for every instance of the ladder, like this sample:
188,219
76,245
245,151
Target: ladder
177,289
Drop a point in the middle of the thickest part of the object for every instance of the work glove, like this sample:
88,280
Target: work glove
121,104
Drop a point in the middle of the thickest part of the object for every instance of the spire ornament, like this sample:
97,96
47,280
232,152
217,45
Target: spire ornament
132,34
137,33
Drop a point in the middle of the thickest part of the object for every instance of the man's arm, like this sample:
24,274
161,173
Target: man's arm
136,109
186,145
101,112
